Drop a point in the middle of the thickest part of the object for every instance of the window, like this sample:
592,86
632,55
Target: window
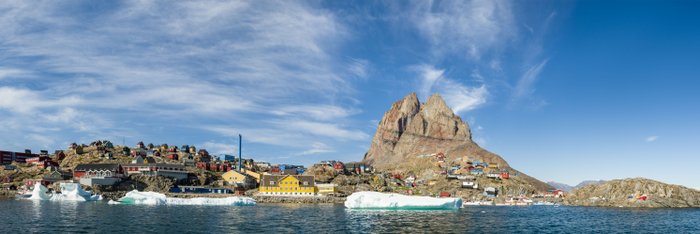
306,183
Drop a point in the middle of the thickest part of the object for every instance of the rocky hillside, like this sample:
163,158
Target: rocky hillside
410,130
635,192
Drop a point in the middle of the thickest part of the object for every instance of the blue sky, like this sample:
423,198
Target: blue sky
563,90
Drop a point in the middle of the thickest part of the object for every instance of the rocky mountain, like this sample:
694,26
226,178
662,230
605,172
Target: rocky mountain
634,192
410,130
561,186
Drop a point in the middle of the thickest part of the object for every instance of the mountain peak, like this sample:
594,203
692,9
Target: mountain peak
410,130
437,105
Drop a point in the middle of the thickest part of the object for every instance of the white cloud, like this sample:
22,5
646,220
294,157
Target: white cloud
184,62
359,67
219,148
526,83
317,148
319,112
12,73
334,131
468,27
652,138
459,97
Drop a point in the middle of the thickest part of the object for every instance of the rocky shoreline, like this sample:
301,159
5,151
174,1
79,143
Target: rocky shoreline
299,200
7,194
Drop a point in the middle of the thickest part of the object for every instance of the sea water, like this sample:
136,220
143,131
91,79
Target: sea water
27,216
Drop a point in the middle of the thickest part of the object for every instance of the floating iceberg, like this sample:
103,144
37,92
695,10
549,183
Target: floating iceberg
69,192
40,193
393,201
153,198
73,192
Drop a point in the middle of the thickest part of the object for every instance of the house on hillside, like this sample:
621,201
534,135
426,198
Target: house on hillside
233,177
175,171
56,176
102,174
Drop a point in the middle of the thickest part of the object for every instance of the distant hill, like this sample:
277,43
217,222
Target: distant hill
634,192
589,182
561,186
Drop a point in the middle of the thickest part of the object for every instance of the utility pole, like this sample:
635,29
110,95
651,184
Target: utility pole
240,157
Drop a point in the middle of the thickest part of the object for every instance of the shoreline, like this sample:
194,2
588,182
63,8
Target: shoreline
298,200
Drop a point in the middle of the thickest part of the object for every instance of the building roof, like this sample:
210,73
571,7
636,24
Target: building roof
277,178
97,167
179,166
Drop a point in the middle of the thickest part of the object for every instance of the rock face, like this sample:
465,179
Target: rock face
636,192
411,129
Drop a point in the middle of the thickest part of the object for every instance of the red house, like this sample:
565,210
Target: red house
505,175
339,166
172,156
39,161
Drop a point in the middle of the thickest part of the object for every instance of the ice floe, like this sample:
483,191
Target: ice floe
153,198
376,200
69,192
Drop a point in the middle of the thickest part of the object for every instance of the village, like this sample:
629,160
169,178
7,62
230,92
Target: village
188,171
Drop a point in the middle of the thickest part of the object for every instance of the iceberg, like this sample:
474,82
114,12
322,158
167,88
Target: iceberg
74,192
153,198
39,193
69,192
393,201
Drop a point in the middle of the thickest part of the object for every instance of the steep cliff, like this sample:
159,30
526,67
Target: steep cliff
635,192
410,130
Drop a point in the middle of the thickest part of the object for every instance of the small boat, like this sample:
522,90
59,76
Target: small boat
471,203
543,203
518,201
24,194
477,203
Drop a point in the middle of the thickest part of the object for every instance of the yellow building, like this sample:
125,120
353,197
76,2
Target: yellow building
287,185
326,189
255,176
234,177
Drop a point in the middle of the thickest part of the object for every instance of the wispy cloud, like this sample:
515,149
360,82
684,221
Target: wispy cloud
484,34
219,148
110,71
459,97
651,138
12,73
526,83
317,148
359,67
471,28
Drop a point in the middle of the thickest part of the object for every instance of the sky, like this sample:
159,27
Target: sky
563,90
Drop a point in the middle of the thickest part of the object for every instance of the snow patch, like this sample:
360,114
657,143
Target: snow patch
376,200
153,198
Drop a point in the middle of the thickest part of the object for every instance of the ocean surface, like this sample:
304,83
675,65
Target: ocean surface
25,216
